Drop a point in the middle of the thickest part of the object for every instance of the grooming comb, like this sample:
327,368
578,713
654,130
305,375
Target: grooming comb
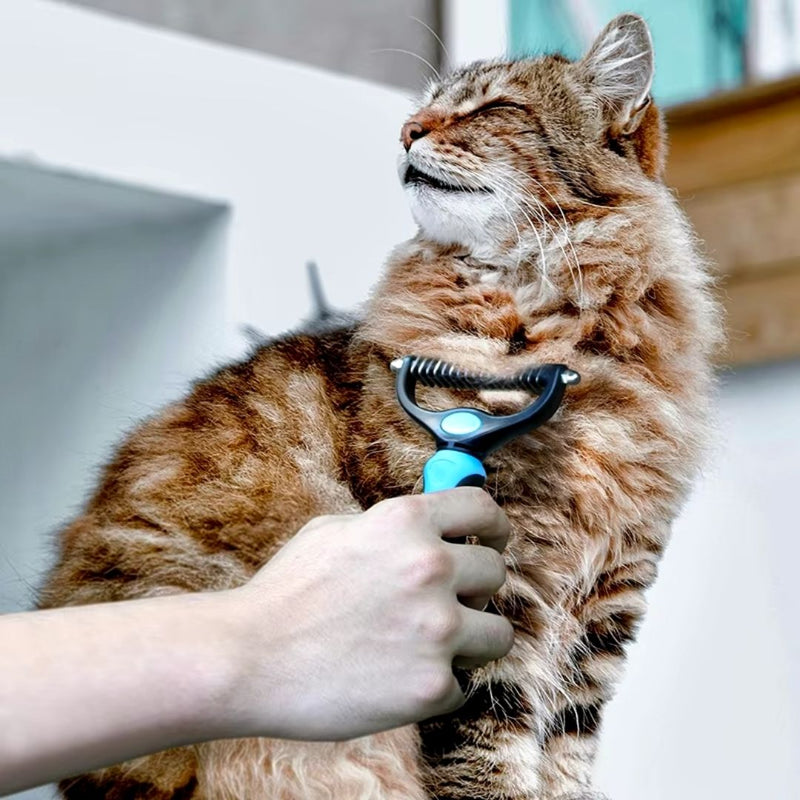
464,437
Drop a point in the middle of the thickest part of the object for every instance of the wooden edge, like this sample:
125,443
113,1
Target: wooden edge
744,98
763,318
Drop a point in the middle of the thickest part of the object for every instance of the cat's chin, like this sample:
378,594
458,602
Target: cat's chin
453,218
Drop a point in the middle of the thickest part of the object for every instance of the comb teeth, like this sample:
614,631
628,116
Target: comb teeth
434,372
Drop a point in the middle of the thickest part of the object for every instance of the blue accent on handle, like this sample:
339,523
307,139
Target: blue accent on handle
460,422
447,469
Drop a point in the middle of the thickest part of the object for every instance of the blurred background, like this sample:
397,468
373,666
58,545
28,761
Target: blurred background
167,167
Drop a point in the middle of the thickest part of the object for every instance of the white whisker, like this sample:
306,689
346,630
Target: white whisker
409,53
435,36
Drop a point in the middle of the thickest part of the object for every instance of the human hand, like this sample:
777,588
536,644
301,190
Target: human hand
354,626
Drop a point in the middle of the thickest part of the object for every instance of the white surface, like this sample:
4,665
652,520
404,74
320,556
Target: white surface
710,706
40,205
305,159
95,332
475,29
773,38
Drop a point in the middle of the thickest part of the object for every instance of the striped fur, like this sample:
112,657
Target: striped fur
568,248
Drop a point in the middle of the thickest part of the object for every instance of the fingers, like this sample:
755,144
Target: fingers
479,571
453,699
484,637
469,511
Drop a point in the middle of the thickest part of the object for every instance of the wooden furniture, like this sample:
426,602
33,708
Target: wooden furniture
735,163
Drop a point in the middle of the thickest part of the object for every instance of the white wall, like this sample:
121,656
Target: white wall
773,38
306,159
710,706
95,332
475,29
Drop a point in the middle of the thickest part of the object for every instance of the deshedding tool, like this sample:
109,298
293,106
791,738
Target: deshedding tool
464,437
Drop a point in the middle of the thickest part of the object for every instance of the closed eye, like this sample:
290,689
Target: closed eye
498,104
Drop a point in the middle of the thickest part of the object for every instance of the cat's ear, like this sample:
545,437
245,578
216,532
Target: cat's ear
618,70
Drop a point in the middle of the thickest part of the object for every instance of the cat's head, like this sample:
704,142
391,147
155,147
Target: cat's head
501,147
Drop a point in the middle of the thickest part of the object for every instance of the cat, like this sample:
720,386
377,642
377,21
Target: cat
546,234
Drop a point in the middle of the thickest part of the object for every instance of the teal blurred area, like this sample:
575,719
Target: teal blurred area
700,44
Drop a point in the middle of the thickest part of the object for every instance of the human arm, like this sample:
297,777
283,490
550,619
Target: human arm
351,628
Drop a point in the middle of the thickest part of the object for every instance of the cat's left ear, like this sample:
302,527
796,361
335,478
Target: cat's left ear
618,70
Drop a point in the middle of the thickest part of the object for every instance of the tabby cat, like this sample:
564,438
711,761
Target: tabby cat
545,234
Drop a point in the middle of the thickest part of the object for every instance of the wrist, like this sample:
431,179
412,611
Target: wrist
212,668
240,685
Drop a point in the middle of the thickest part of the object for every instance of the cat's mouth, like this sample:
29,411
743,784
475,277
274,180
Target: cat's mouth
414,176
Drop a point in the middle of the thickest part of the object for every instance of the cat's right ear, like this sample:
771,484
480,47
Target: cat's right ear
618,70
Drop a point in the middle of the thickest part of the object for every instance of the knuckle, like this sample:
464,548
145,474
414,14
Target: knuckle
432,566
404,511
441,626
480,500
490,512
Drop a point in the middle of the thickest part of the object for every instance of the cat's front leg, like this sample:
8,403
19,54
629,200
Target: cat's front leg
607,620
527,731
490,749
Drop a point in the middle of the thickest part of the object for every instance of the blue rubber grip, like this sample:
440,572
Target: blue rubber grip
447,469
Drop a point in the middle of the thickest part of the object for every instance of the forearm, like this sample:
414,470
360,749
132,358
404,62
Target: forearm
350,629
89,686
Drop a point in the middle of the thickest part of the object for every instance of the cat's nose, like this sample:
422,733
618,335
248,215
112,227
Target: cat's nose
411,131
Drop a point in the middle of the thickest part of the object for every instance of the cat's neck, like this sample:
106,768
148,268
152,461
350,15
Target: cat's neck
449,301
442,301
